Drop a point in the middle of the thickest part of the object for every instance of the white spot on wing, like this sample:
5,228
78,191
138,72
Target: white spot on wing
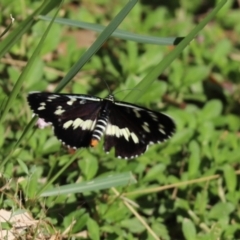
84,97
59,110
84,125
161,129
117,131
114,130
51,97
89,124
67,124
71,101
42,106
153,115
145,126
83,101
137,114
126,133
146,123
134,137
77,123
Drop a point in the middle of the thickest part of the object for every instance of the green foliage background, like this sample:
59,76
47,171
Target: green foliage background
187,188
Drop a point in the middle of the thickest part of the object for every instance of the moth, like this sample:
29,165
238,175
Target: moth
82,120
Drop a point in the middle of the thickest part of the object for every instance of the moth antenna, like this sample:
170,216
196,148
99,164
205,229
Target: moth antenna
110,92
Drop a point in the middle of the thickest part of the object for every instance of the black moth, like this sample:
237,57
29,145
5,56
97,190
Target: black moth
82,120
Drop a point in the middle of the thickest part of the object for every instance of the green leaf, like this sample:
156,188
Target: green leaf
195,74
154,172
23,166
33,184
51,145
182,137
233,122
6,226
189,230
182,203
221,210
93,229
194,159
133,225
201,201
89,166
211,110
80,217
220,54
230,177
216,231
206,131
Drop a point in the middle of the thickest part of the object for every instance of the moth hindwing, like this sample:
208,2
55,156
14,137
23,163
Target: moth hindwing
82,120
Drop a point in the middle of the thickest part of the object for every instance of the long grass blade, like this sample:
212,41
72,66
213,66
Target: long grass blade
19,83
24,26
117,33
97,184
106,33
160,67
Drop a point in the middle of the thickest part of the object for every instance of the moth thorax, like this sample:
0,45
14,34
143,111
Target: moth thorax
99,130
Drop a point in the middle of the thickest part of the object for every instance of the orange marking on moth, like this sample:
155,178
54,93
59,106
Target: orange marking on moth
94,142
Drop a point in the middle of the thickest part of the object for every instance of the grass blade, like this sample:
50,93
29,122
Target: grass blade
97,184
117,33
24,26
106,33
160,67
18,85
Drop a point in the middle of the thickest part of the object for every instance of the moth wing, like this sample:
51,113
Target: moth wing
132,128
73,116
